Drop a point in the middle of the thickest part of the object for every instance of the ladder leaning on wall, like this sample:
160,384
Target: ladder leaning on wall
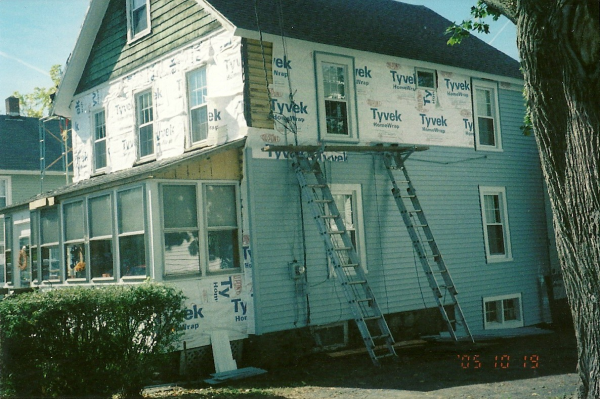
342,254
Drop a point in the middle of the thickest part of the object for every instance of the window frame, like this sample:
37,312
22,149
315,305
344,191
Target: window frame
131,35
118,235
503,209
56,245
112,237
348,62
191,108
492,325
426,70
492,88
140,124
8,251
203,228
6,180
97,141
355,190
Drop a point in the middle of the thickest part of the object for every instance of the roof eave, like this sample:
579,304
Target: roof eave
78,58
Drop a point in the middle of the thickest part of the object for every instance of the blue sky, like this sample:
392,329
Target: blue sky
36,34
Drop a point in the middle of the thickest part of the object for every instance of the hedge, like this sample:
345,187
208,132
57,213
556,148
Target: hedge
84,341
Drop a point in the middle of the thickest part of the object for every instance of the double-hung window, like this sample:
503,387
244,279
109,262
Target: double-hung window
348,200
503,312
138,18
4,191
74,245
336,97
180,221
49,237
201,228
99,140
487,126
131,232
145,124
197,99
495,224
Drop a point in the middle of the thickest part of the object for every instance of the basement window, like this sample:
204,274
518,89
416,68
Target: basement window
504,311
138,18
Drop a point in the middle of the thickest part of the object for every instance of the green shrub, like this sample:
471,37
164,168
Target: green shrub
87,341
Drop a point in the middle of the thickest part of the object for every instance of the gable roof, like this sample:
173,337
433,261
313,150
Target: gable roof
20,144
379,26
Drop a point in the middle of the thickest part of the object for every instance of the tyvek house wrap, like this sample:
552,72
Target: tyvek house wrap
166,78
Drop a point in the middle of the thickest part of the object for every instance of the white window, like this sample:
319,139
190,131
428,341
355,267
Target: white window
426,79
49,237
197,97
336,97
145,124
495,224
100,218
131,232
99,140
4,191
504,311
138,18
201,228
348,200
487,126
2,249
74,245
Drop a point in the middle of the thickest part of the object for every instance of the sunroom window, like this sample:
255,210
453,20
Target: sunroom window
131,232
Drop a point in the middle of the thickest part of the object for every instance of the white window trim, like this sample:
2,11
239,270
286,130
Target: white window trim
435,82
202,227
137,125
8,188
505,324
130,36
356,191
493,86
94,140
351,94
500,191
204,142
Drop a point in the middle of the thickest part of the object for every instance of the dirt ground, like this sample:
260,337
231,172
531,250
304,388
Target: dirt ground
540,366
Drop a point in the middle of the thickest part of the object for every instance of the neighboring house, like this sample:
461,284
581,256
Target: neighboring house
20,163
172,103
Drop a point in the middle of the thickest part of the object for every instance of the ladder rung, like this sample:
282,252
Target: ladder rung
316,185
329,216
356,282
437,271
384,336
336,231
353,265
365,300
385,355
322,201
371,318
342,248
419,225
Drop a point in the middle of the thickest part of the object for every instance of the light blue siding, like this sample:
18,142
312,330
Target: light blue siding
447,182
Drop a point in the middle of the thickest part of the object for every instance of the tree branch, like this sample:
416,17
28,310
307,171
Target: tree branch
508,8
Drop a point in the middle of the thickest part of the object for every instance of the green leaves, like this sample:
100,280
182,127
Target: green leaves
479,13
87,341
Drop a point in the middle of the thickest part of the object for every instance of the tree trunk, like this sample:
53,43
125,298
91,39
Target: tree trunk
559,45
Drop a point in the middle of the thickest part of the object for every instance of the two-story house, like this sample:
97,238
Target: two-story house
188,120
32,160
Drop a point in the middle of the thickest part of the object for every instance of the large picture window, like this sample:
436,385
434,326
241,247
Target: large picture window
336,97
131,232
197,98
138,18
99,140
145,124
201,228
487,128
495,224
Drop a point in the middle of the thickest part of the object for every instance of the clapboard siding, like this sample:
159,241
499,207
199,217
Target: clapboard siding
258,74
174,24
447,182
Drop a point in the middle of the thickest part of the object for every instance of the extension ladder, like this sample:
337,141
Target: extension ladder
424,243
342,254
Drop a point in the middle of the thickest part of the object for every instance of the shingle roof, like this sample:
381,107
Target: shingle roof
20,144
379,26
137,173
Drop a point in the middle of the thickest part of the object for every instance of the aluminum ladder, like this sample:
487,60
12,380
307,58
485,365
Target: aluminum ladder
344,259
424,244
